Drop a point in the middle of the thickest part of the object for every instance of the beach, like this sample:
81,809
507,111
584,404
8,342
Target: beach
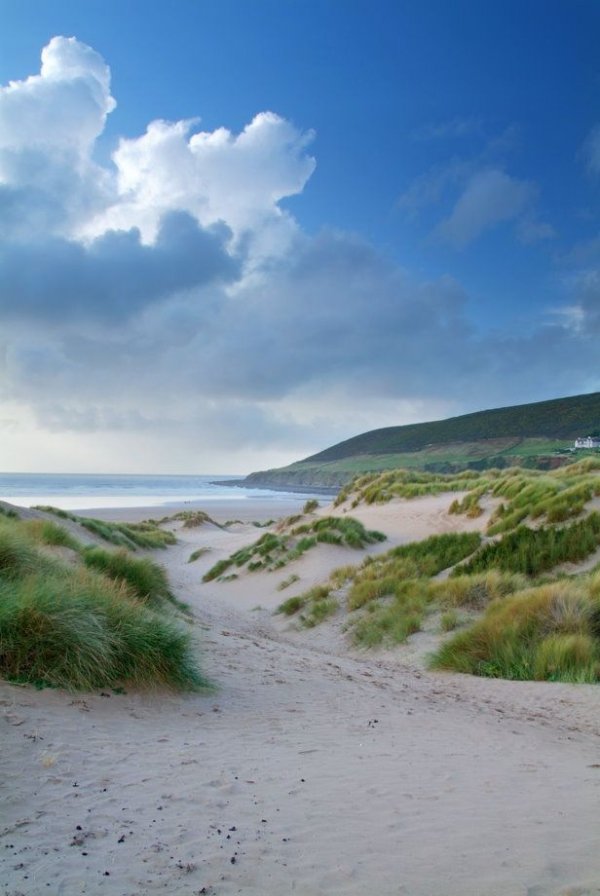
311,767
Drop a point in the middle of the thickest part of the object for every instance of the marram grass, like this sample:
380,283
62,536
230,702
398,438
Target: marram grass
83,632
146,579
78,628
547,633
274,550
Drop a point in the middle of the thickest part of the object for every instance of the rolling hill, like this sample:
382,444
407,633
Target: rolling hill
534,435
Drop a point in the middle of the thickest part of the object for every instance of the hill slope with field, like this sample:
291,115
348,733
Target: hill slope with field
538,435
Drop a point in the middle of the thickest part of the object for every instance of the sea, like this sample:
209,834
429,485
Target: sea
72,491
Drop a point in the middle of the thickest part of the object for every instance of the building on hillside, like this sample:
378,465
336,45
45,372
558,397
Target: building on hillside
588,442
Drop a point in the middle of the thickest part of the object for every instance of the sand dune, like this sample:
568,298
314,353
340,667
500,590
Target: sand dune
310,770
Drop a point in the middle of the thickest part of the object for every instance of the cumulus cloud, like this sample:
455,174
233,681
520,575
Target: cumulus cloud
115,275
48,127
168,299
215,176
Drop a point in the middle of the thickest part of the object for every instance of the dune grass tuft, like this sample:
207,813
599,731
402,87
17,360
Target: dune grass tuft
82,631
316,605
199,552
545,632
81,628
533,551
50,533
147,534
310,506
274,550
146,579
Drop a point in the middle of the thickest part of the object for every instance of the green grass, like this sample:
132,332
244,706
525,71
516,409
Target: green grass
392,621
147,534
67,625
449,621
392,589
552,497
390,595
50,533
310,506
546,633
285,583
476,591
199,552
274,550
385,574
534,551
318,610
313,606
146,579
292,605
82,631
19,553
191,519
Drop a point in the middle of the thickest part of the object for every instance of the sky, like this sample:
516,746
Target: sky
235,232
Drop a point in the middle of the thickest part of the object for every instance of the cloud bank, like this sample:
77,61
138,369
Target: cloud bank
165,303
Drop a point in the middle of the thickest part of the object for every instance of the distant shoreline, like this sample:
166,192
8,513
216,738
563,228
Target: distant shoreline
273,487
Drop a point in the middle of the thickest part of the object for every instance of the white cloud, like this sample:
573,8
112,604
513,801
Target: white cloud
490,197
591,150
64,107
48,127
215,176
166,308
453,129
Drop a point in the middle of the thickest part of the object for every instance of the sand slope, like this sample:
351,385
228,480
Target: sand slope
308,771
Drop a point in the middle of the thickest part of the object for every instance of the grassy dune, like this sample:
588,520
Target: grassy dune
504,608
547,632
274,550
96,619
147,534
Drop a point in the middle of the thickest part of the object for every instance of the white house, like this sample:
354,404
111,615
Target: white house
587,442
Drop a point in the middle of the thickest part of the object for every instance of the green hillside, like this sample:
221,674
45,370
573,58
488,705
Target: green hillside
537,435
561,418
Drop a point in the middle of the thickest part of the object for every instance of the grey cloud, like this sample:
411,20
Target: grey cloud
452,129
115,276
490,197
433,187
334,318
591,150
589,302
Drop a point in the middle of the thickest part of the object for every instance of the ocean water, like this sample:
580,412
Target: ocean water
75,492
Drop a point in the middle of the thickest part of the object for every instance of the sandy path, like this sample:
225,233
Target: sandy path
318,772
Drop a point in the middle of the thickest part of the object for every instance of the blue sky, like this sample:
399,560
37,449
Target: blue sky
412,233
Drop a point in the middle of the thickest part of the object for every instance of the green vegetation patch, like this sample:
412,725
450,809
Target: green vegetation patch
553,497
191,519
533,551
50,533
199,552
310,506
313,606
81,628
550,632
392,590
274,550
83,631
382,576
147,534
146,579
